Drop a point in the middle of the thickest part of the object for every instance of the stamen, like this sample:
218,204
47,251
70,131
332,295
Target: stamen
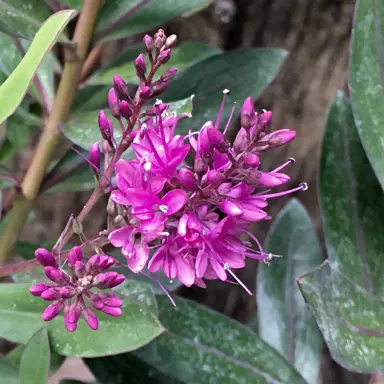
221,110
229,119
228,268
255,240
165,290
290,161
301,187
163,208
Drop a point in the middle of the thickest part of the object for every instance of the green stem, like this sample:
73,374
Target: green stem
51,135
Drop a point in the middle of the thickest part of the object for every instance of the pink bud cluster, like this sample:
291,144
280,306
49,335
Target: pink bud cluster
79,291
187,220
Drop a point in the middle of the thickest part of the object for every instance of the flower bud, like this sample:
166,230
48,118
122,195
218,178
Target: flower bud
94,157
105,125
112,301
164,56
96,300
145,92
111,311
159,87
200,166
240,144
148,43
108,280
280,137
121,88
125,109
252,160
141,66
171,41
50,294
75,254
267,179
214,177
217,139
100,262
67,292
247,114
90,318
160,39
45,258
52,310
56,275
74,312
38,289
186,178
113,103
265,118
168,74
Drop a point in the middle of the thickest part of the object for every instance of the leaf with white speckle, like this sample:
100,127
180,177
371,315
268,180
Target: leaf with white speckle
351,320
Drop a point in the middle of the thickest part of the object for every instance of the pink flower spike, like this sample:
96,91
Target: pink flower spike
38,289
45,258
90,318
56,275
111,311
52,310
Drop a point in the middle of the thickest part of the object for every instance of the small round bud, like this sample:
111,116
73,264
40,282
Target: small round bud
160,39
186,178
145,92
148,43
94,157
125,109
214,177
252,160
45,258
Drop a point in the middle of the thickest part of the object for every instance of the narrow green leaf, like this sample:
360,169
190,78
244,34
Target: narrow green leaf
20,318
366,79
34,364
183,57
351,320
55,362
203,346
352,201
126,368
9,372
14,88
244,73
22,18
154,14
284,321
91,98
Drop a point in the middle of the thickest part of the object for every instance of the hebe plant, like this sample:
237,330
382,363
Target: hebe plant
181,200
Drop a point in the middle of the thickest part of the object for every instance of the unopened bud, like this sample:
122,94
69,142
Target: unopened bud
280,137
171,41
125,109
121,88
52,310
56,275
168,74
141,66
252,160
159,87
247,114
112,301
265,118
45,258
186,178
94,158
90,318
145,92
148,43
113,103
240,143
108,280
217,139
38,289
105,125
75,255
67,292
160,39
111,311
164,56
200,166
214,177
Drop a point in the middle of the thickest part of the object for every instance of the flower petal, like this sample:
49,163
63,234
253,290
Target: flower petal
174,200
230,208
157,260
185,271
120,236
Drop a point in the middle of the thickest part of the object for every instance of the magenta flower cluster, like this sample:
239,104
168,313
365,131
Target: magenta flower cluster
187,220
182,205
75,293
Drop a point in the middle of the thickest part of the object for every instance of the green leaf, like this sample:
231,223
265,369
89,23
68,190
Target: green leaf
22,18
244,73
366,79
139,291
351,320
55,362
9,372
203,346
352,202
34,364
154,14
91,98
284,321
126,368
20,318
183,57
12,91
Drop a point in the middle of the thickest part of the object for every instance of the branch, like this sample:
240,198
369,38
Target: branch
51,135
